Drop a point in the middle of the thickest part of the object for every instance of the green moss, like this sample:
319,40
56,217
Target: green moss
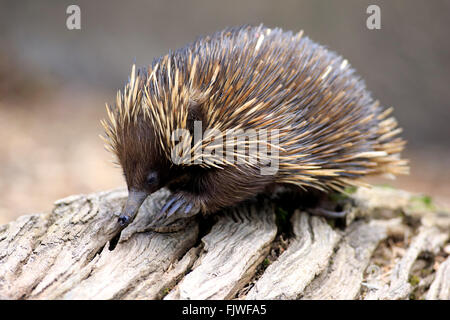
165,292
385,186
427,200
266,262
414,280
342,196
337,197
422,202
350,189
281,216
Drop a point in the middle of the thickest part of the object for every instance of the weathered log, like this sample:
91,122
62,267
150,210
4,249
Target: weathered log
440,288
305,258
345,275
428,239
391,248
232,251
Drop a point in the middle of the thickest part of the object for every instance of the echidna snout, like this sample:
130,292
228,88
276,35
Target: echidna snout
134,202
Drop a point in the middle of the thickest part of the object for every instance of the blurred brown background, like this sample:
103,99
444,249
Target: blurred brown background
54,82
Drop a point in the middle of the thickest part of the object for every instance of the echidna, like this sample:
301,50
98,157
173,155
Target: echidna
281,91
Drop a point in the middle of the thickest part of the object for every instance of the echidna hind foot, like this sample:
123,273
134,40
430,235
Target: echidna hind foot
322,212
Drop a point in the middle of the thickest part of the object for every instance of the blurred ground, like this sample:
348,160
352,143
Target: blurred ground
54,82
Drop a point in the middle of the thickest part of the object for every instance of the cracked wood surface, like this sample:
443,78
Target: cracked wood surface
232,251
344,276
392,248
428,240
307,255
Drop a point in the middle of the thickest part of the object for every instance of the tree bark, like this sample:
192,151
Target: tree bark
394,246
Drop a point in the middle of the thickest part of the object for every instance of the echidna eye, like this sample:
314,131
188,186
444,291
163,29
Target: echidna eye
152,178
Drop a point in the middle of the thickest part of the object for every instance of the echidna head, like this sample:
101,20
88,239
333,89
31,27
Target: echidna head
131,137
136,133
145,169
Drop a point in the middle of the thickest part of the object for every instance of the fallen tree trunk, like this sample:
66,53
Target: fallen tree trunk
393,246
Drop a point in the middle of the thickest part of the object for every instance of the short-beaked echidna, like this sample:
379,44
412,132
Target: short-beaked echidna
283,93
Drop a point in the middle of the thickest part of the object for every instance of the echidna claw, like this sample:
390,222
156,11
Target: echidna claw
178,206
188,208
167,205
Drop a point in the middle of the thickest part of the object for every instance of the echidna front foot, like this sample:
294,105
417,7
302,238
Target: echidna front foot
179,206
